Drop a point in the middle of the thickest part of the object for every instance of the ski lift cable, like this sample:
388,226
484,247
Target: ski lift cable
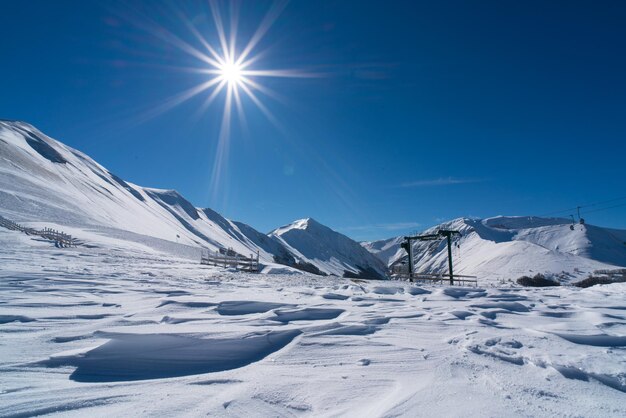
609,207
585,206
604,202
557,212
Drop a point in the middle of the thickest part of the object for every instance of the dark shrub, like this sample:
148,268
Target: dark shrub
594,280
288,260
539,280
364,273
308,267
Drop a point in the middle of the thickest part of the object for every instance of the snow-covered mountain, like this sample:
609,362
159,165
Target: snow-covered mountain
43,180
320,248
386,249
46,181
505,248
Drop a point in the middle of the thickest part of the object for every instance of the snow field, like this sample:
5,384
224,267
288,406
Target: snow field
136,332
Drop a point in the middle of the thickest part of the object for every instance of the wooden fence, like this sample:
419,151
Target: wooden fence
614,273
61,239
437,278
12,225
227,259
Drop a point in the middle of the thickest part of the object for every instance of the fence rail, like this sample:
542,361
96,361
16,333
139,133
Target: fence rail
61,239
237,261
437,278
613,272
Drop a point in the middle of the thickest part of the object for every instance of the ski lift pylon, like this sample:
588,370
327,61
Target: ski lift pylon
580,220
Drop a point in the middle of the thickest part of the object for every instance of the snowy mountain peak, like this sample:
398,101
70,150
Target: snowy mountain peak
327,250
303,224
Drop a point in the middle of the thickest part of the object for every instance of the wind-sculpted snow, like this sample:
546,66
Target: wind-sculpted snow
601,340
506,306
5,319
154,356
307,314
123,330
335,296
245,307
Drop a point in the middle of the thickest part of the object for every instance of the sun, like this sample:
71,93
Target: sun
229,69
232,73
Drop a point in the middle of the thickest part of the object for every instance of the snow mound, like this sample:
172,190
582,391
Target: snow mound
128,357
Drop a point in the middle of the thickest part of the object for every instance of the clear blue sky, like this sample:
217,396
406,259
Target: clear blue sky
422,110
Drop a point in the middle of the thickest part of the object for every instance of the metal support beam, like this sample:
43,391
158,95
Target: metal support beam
408,247
449,236
442,233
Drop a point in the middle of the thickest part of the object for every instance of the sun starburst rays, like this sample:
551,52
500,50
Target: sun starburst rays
231,72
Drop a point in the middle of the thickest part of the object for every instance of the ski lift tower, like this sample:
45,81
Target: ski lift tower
442,233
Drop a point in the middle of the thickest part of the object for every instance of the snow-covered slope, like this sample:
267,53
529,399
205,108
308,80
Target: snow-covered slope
506,248
45,181
328,251
42,180
385,249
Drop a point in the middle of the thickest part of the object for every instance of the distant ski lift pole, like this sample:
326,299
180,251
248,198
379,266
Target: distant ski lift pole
580,220
408,247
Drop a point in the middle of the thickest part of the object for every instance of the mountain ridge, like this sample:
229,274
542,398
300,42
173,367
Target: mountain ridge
42,179
328,250
507,247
